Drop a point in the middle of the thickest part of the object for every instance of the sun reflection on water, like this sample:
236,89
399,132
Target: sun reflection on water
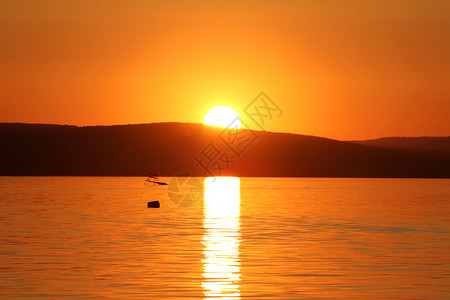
221,238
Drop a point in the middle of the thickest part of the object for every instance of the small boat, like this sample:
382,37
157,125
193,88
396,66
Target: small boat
152,179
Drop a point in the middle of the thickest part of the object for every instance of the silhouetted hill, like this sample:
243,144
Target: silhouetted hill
171,148
440,144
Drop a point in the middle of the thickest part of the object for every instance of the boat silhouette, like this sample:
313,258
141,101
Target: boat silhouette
152,179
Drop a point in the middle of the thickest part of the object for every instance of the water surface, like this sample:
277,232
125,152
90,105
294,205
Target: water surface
260,238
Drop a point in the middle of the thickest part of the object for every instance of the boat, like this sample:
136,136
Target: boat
152,179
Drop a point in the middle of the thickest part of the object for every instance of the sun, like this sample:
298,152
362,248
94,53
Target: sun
222,116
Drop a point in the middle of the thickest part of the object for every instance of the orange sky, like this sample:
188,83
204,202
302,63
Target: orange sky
339,69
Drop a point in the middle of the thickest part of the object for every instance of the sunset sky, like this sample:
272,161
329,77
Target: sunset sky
338,69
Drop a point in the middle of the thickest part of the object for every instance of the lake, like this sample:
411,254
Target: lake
224,238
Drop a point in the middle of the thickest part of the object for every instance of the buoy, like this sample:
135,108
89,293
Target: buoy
153,204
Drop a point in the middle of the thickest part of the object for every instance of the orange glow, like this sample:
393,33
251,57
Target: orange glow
358,71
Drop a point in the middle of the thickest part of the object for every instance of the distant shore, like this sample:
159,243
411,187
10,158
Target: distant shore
169,149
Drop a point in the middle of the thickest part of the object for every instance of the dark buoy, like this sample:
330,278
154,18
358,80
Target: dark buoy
153,204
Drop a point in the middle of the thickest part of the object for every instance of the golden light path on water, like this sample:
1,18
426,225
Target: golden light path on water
221,238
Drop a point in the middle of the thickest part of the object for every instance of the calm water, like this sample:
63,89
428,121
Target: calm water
260,238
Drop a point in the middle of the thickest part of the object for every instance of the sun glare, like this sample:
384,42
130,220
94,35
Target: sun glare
221,238
222,116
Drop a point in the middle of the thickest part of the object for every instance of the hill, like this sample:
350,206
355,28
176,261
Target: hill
440,144
172,148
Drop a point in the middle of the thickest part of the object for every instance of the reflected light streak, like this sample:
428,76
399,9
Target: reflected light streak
221,238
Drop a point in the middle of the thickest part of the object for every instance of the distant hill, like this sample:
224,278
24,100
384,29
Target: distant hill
420,143
171,148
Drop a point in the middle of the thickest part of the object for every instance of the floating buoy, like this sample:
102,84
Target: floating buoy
153,204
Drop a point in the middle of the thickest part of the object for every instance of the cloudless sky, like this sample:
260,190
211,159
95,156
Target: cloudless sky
338,69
